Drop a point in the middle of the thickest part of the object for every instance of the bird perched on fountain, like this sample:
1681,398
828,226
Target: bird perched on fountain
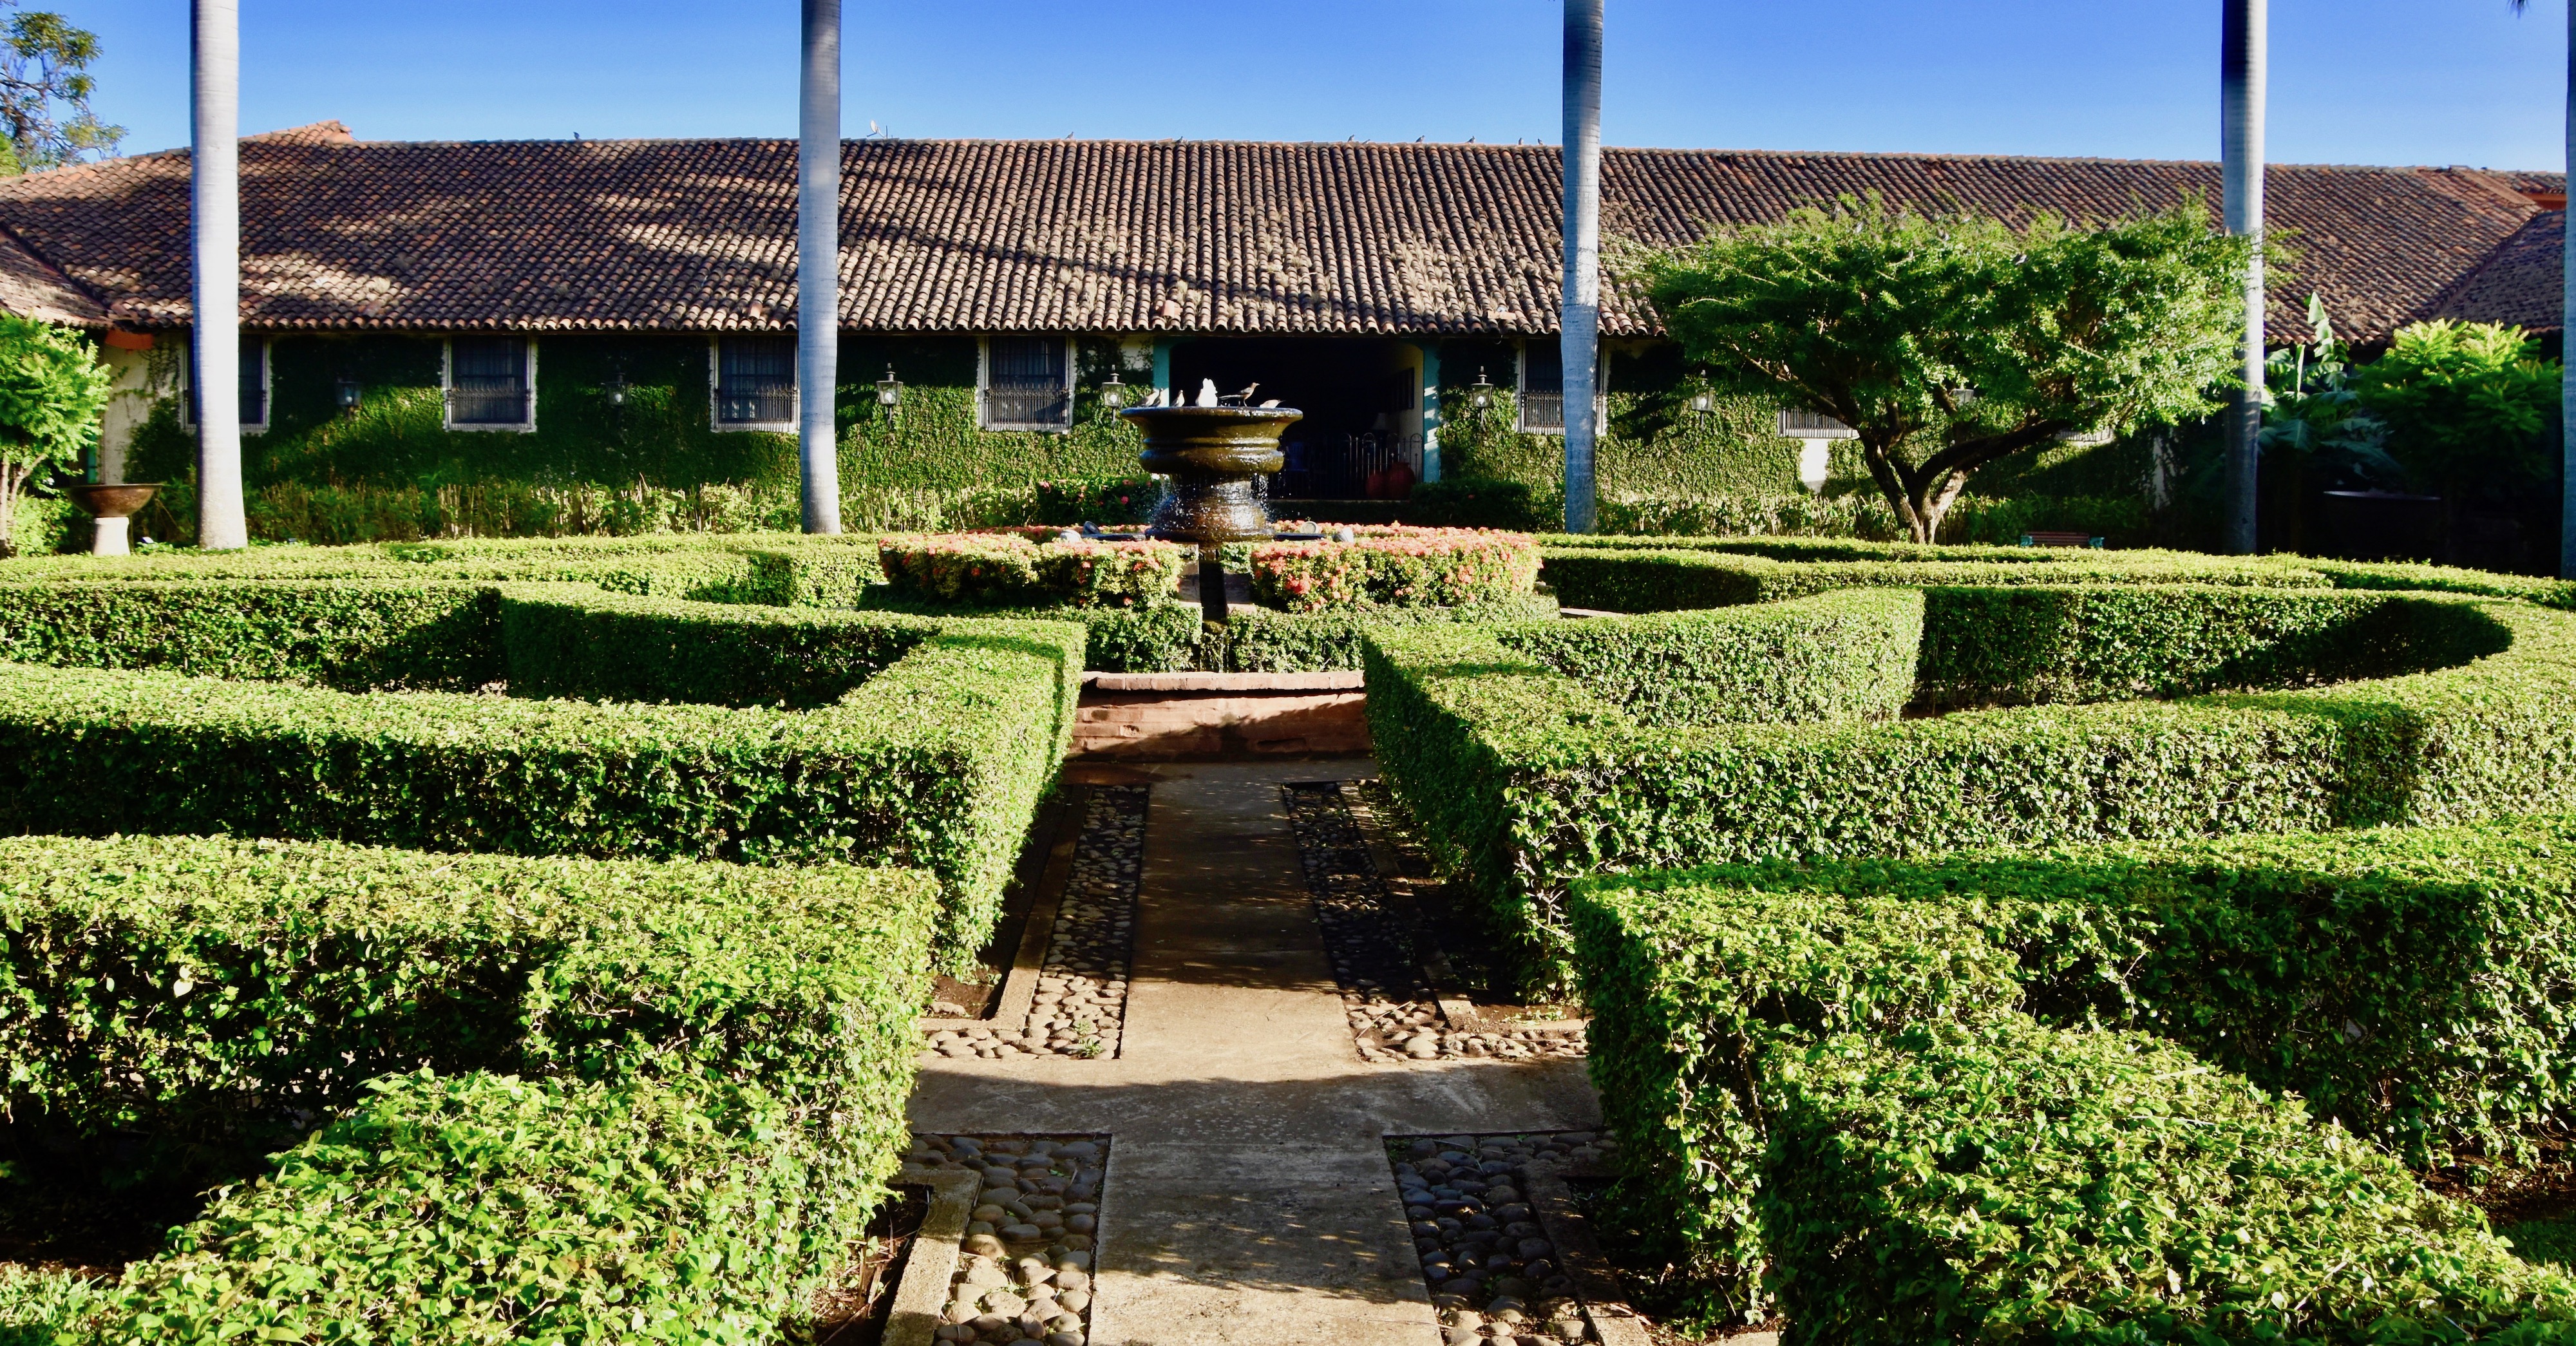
1244,398
1207,392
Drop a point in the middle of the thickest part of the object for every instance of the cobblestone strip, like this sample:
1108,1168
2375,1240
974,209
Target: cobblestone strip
1494,1274
1081,1004
1390,1005
1024,1274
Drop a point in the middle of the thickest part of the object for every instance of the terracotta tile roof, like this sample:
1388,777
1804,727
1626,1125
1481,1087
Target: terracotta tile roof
1103,236
31,288
2518,283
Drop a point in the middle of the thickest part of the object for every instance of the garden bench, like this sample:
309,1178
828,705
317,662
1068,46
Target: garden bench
2060,540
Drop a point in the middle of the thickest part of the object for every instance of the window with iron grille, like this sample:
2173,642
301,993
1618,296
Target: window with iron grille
254,385
1543,388
1025,383
755,380
487,381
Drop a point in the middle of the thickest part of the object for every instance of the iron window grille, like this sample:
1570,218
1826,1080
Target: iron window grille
1542,392
254,386
488,381
755,380
1026,383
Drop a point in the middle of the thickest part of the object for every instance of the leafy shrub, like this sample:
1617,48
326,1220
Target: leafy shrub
1002,570
1395,568
1115,500
486,1208
2461,400
1523,779
937,763
354,635
2021,1183
2411,984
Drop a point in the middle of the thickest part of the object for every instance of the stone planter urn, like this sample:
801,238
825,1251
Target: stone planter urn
112,504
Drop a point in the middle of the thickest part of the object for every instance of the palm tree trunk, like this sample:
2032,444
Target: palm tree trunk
1580,324
214,32
818,266
2567,323
2241,79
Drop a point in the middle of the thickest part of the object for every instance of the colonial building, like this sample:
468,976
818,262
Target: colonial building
609,310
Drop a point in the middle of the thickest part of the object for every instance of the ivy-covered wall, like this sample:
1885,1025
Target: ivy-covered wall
661,435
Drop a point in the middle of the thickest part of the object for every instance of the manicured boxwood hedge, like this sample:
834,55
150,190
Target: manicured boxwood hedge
352,634
1839,657
2022,1183
583,1099
1657,574
1173,637
783,569
2416,985
575,641
1524,779
937,761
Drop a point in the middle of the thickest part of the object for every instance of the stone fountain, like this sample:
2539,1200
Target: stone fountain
112,506
1211,452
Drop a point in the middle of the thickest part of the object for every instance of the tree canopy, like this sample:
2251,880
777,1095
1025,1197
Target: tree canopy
2462,399
1949,341
45,87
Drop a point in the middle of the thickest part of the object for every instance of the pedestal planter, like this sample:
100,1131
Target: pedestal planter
112,504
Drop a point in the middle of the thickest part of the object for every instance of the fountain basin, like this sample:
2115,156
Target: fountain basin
1212,455
111,504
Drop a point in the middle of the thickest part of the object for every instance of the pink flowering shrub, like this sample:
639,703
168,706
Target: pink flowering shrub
1392,566
1010,568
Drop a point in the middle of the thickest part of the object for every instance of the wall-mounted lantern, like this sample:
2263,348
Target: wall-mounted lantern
616,387
1703,402
1481,392
346,391
889,389
1113,394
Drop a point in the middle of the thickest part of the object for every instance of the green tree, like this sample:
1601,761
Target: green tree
45,88
2316,413
1950,341
2462,401
52,392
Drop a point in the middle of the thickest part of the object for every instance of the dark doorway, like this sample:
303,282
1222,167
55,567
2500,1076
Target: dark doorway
1361,399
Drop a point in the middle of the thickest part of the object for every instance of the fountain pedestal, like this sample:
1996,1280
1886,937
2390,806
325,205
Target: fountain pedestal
111,505
1211,455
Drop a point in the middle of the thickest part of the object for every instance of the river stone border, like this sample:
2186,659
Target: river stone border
1506,1258
1079,1005
1023,1275
1395,1011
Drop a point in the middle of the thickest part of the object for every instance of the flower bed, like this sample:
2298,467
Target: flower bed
1396,567
1028,568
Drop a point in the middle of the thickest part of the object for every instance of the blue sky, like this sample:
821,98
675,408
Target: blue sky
2353,81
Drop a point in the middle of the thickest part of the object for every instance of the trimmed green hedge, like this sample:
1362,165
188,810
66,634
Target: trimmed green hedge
1626,580
1173,637
485,1208
2418,986
354,635
2021,1183
570,641
627,1099
208,987
784,569
2017,646
938,762
1835,658
1523,779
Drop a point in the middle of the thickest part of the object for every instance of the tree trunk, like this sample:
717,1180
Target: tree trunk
2242,60
1580,323
215,227
818,266
12,478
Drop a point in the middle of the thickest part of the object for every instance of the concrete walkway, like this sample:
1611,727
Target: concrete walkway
1248,1197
